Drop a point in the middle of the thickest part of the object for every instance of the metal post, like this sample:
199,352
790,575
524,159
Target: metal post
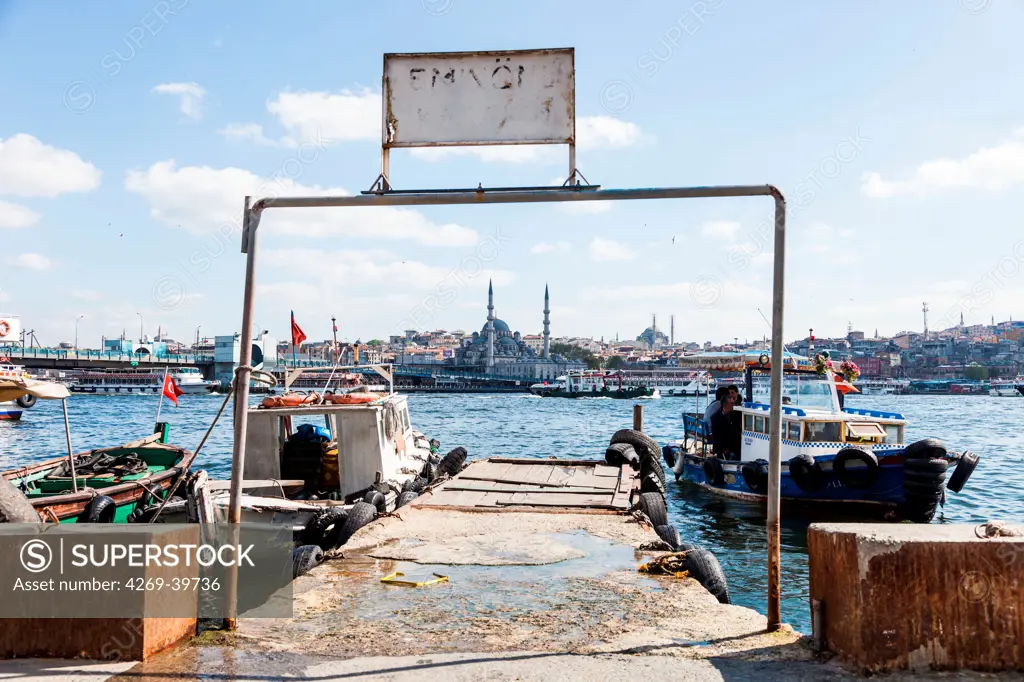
775,415
241,379
71,454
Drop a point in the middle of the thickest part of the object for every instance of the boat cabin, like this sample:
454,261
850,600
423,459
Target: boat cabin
334,450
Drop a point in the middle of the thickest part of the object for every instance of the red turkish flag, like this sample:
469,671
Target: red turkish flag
297,334
171,389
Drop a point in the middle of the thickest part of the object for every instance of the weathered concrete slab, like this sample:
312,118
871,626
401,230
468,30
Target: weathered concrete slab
513,549
918,597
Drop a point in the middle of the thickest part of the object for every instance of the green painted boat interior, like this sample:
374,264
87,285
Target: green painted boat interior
37,485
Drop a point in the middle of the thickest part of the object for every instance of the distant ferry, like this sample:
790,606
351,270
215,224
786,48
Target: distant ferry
139,381
1006,387
592,383
881,386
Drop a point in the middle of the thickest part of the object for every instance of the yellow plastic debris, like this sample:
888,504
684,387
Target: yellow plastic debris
414,581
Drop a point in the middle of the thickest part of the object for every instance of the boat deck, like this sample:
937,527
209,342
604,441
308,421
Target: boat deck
502,484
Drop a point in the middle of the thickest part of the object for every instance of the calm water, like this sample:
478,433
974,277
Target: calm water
524,426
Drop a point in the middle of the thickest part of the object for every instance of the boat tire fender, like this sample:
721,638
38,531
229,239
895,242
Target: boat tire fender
144,501
964,468
755,475
26,401
670,535
649,465
927,448
618,454
361,514
643,443
806,473
377,499
406,497
653,505
305,559
669,453
860,480
101,509
703,567
322,529
713,471
650,483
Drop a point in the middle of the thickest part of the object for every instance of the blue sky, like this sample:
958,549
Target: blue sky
130,132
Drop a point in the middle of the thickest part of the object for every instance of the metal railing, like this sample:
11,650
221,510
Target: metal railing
108,356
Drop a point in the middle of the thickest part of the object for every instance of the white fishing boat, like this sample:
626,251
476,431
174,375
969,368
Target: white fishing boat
12,410
698,383
594,383
1004,388
191,382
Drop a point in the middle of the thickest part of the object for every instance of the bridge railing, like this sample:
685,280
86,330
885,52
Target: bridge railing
109,356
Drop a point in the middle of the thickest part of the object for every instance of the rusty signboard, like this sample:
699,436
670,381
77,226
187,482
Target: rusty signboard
479,98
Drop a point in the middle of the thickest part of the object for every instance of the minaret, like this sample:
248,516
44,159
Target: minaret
547,325
490,324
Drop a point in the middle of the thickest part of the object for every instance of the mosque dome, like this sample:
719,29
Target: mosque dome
499,327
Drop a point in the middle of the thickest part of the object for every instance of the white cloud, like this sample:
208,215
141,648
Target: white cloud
605,132
248,131
86,294
190,96
15,216
544,247
345,115
30,168
991,168
31,261
720,229
206,200
602,250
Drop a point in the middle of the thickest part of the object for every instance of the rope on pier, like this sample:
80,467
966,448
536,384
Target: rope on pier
996,529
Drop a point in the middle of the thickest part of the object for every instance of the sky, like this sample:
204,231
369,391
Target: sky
131,132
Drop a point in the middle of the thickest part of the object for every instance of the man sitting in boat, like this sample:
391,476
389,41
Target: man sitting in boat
726,430
720,393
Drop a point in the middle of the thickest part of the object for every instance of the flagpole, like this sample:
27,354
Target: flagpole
163,387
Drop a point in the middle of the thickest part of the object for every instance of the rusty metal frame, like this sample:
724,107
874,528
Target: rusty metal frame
251,220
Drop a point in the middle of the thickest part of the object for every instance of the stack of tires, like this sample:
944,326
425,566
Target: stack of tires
924,473
642,453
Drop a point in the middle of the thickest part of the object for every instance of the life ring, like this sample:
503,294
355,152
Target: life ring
806,473
860,478
5,328
713,471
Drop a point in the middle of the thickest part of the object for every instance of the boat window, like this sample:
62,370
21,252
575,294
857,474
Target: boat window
820,432
794,431
748,422
893,434
759,424
864,429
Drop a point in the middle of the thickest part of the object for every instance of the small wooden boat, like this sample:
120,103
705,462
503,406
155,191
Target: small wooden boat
112,483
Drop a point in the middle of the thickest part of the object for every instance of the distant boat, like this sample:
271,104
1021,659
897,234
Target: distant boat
11,376
139,381
592,383
1005,387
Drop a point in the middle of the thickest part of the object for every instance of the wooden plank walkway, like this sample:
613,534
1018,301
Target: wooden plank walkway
503,484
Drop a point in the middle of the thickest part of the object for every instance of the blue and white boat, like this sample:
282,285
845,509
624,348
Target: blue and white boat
846,460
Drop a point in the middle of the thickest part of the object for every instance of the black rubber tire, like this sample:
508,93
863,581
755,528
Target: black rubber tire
936,479
416,485
806,473
618,454
322,529
923,491
14,506
926,448
650,483
653,505
926,467
669,534
639,440
305,559
669,454
101,509
652,465
686,547
920,509
703,567
359,515
144,515
853,480
428,473
26,401
377,499
713,471
144,501
451,463
406,497
964,468
755,475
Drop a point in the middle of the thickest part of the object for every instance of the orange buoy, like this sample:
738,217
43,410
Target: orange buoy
292,399
356,398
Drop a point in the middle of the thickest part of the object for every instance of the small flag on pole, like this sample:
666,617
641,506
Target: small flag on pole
171,389
297,334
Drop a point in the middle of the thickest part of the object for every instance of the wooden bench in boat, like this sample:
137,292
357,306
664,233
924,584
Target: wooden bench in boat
538,485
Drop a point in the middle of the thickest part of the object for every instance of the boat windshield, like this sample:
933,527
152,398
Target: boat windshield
802,390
